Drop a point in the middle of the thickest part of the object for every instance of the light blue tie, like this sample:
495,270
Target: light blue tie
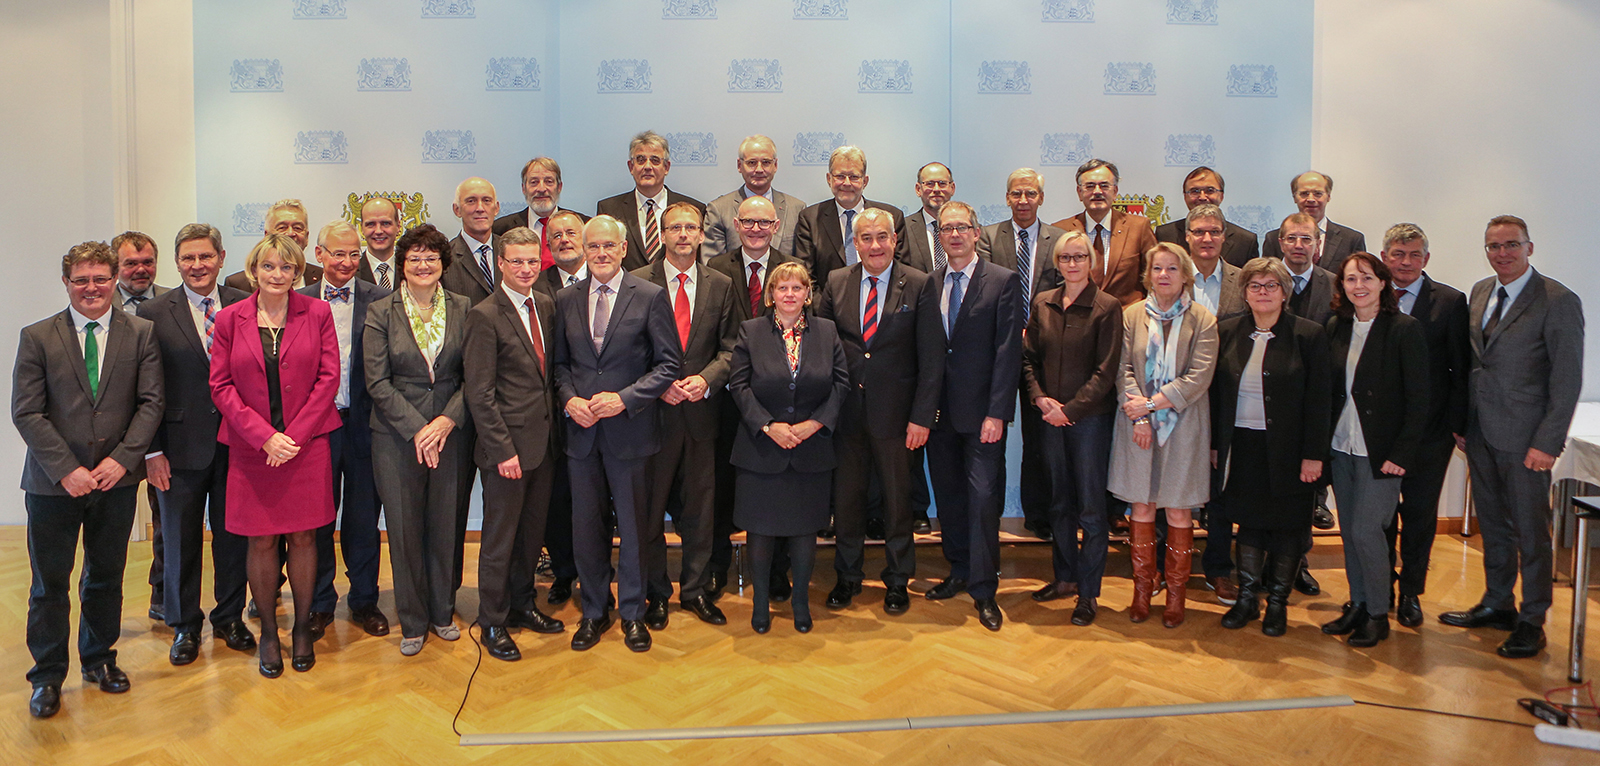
954,308
1299,284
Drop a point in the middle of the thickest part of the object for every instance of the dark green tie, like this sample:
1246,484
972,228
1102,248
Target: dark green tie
91,358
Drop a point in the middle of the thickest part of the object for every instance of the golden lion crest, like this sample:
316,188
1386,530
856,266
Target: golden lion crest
1153,208
413,210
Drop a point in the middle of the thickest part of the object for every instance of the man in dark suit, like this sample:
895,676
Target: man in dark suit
186,463
758,164
684,471
510,388
355,493
86,399
822,237
380,229
1204,186
972,311
564,237
616,353
923,250
472,253
136,283
1312,192
286,217
649,161
1311,296
541,187
1118,240
894,389
1442,310
1527,371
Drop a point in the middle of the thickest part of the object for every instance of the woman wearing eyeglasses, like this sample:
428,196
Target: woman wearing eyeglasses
413,343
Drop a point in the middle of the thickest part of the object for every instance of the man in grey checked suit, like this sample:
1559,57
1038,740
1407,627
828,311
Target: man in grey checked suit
758,163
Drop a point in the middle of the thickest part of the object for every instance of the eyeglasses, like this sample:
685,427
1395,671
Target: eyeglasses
853,178
294,226
190,260
86,281
1027,194
937,184
757,223
1510,247
1264,288
683,228
1206,232
1070,258
418,260
1197,190
762,164
955,228
598,247
518,263
1311,194
1092,186
342,255
1299,239
646,159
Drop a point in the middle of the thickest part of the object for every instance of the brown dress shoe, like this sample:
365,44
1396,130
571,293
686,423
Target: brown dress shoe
1227,592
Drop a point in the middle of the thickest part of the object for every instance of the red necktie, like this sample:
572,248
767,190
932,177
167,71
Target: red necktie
545,259
869,319
755,290
533,331
680,310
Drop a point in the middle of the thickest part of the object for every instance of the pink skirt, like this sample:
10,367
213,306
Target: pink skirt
293,497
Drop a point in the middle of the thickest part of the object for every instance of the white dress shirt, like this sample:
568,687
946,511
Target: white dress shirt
473,245
932,221
374,262
575,277
883,290
343,316
966,290
661,207
101,332
1347,436
1513,289
198,312
530,319
845,232
672,285
761,273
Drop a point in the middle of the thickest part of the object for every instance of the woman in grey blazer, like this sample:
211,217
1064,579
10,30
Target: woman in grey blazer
413,343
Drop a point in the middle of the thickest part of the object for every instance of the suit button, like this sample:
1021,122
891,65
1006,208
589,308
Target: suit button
949,351
791,409
862,386
97,413
791,386
1269,421
1266,398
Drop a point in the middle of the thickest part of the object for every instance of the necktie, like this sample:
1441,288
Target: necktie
680,310
483,260
1299,284
383,277
954,306
533,332
602,316
652,231
1099,252
850,238
211,321
938,248
755,289
91,358
339,294
1025,270
869,316
1502,298
572,279
135,300
545,259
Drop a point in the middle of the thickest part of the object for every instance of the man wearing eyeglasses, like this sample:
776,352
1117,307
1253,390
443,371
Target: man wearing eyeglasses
935,186
287,217
1312,192
758,164
824,238
640,210
1118,240
1204,186
1312,288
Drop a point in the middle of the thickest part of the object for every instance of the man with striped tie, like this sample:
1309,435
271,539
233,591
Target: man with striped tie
640,210
380,226
472,271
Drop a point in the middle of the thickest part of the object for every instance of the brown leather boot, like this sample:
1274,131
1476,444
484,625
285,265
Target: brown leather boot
1180,556
1144,569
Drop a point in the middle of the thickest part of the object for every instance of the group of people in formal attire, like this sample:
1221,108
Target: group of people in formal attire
786,370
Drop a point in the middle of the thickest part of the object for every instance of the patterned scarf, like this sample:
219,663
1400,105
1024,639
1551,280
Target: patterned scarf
1161,358
429,334
791,342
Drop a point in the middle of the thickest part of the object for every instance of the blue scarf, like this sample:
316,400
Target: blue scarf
1161,359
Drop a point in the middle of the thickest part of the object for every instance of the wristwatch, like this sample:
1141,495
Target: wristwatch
767,429
1150,405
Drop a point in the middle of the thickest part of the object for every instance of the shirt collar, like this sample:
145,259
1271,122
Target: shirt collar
124,296
884,277
79,320
971,266
1215,278
672,272
195,297
1514,287
324,287
747,194
660,198
516,297
861,204
615,284
1304,274
473,244
1106,222
748,259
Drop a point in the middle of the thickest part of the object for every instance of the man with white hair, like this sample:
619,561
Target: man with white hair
758,164
640,210
824,237
287,217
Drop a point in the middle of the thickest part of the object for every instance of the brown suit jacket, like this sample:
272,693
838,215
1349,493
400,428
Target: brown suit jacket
511,400
1131,236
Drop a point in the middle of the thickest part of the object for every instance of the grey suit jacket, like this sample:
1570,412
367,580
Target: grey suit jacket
722,231
1230,300
998,243
917,251
1526,377
63,426
1341,242
404,397
465,276
1239,244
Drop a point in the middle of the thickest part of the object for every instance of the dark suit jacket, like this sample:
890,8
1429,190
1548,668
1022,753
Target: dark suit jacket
1442,310
1341,242
512,401
624,208
1298,396
363,295
918,253
189,424
819,243
1316,301
640,358
765,392
895,380
238,281
465,277
998,243
1526,377
731,264
712,333
1073,351
364,271
983,359
1391,386
63,426
1131,236
511,221
404,398
550,282
1239,244
308,374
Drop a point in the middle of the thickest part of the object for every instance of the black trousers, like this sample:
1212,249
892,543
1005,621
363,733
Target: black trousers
861,459
629,482
466,477
683,471
558,522
106,519
355,497
969,490
728,420
1034,478
1217,561
195,496
513,532
1417,519
1079,457
920,498
158,565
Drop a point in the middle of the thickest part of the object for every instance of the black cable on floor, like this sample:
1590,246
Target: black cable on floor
468,691
1444,712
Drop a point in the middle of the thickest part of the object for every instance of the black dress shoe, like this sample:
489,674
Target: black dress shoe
1040,530
636,635
560,591
1409,611
780,590
1482,616
108,677
371,620
158,613
949,587
1370,631
185,647
828,532
701,607
1085,611
1055,590
655,614
270,664
319,622
989,613
1305,583
717,581
589,632
1321,517
875,529
842,593
1526,640
236,636
304,662
497,641
1351,616
46,701
897,600
251,611
922,527
534,620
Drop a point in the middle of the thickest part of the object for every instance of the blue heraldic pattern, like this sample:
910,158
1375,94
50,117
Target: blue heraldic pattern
449,146
694,149
448,9
1253,80
1130,78
688,9
321,147
1192,11
249,218
512,73
755,76
1070,149
814,148
989,215
624,76
383,74
255,76
319,9
1005,77
1185,150
821,9
1072,11
1256,218
884,76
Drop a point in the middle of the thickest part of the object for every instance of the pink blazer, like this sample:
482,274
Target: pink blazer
308,373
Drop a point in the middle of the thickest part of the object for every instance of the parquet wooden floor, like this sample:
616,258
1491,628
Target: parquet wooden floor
366,704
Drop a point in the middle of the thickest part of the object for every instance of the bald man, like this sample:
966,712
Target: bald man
473,252
380,227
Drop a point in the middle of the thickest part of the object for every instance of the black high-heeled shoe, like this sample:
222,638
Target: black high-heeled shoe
303,662
271,669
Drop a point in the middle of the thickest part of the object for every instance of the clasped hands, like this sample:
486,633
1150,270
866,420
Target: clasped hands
587,412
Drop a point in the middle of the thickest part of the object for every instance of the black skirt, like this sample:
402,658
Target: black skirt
782,504
1248,498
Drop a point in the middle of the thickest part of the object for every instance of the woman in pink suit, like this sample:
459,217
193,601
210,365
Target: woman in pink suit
274,374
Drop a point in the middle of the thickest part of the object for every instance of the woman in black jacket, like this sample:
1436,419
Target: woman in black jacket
1379,360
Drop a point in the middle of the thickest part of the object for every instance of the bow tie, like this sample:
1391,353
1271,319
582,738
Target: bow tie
339,294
